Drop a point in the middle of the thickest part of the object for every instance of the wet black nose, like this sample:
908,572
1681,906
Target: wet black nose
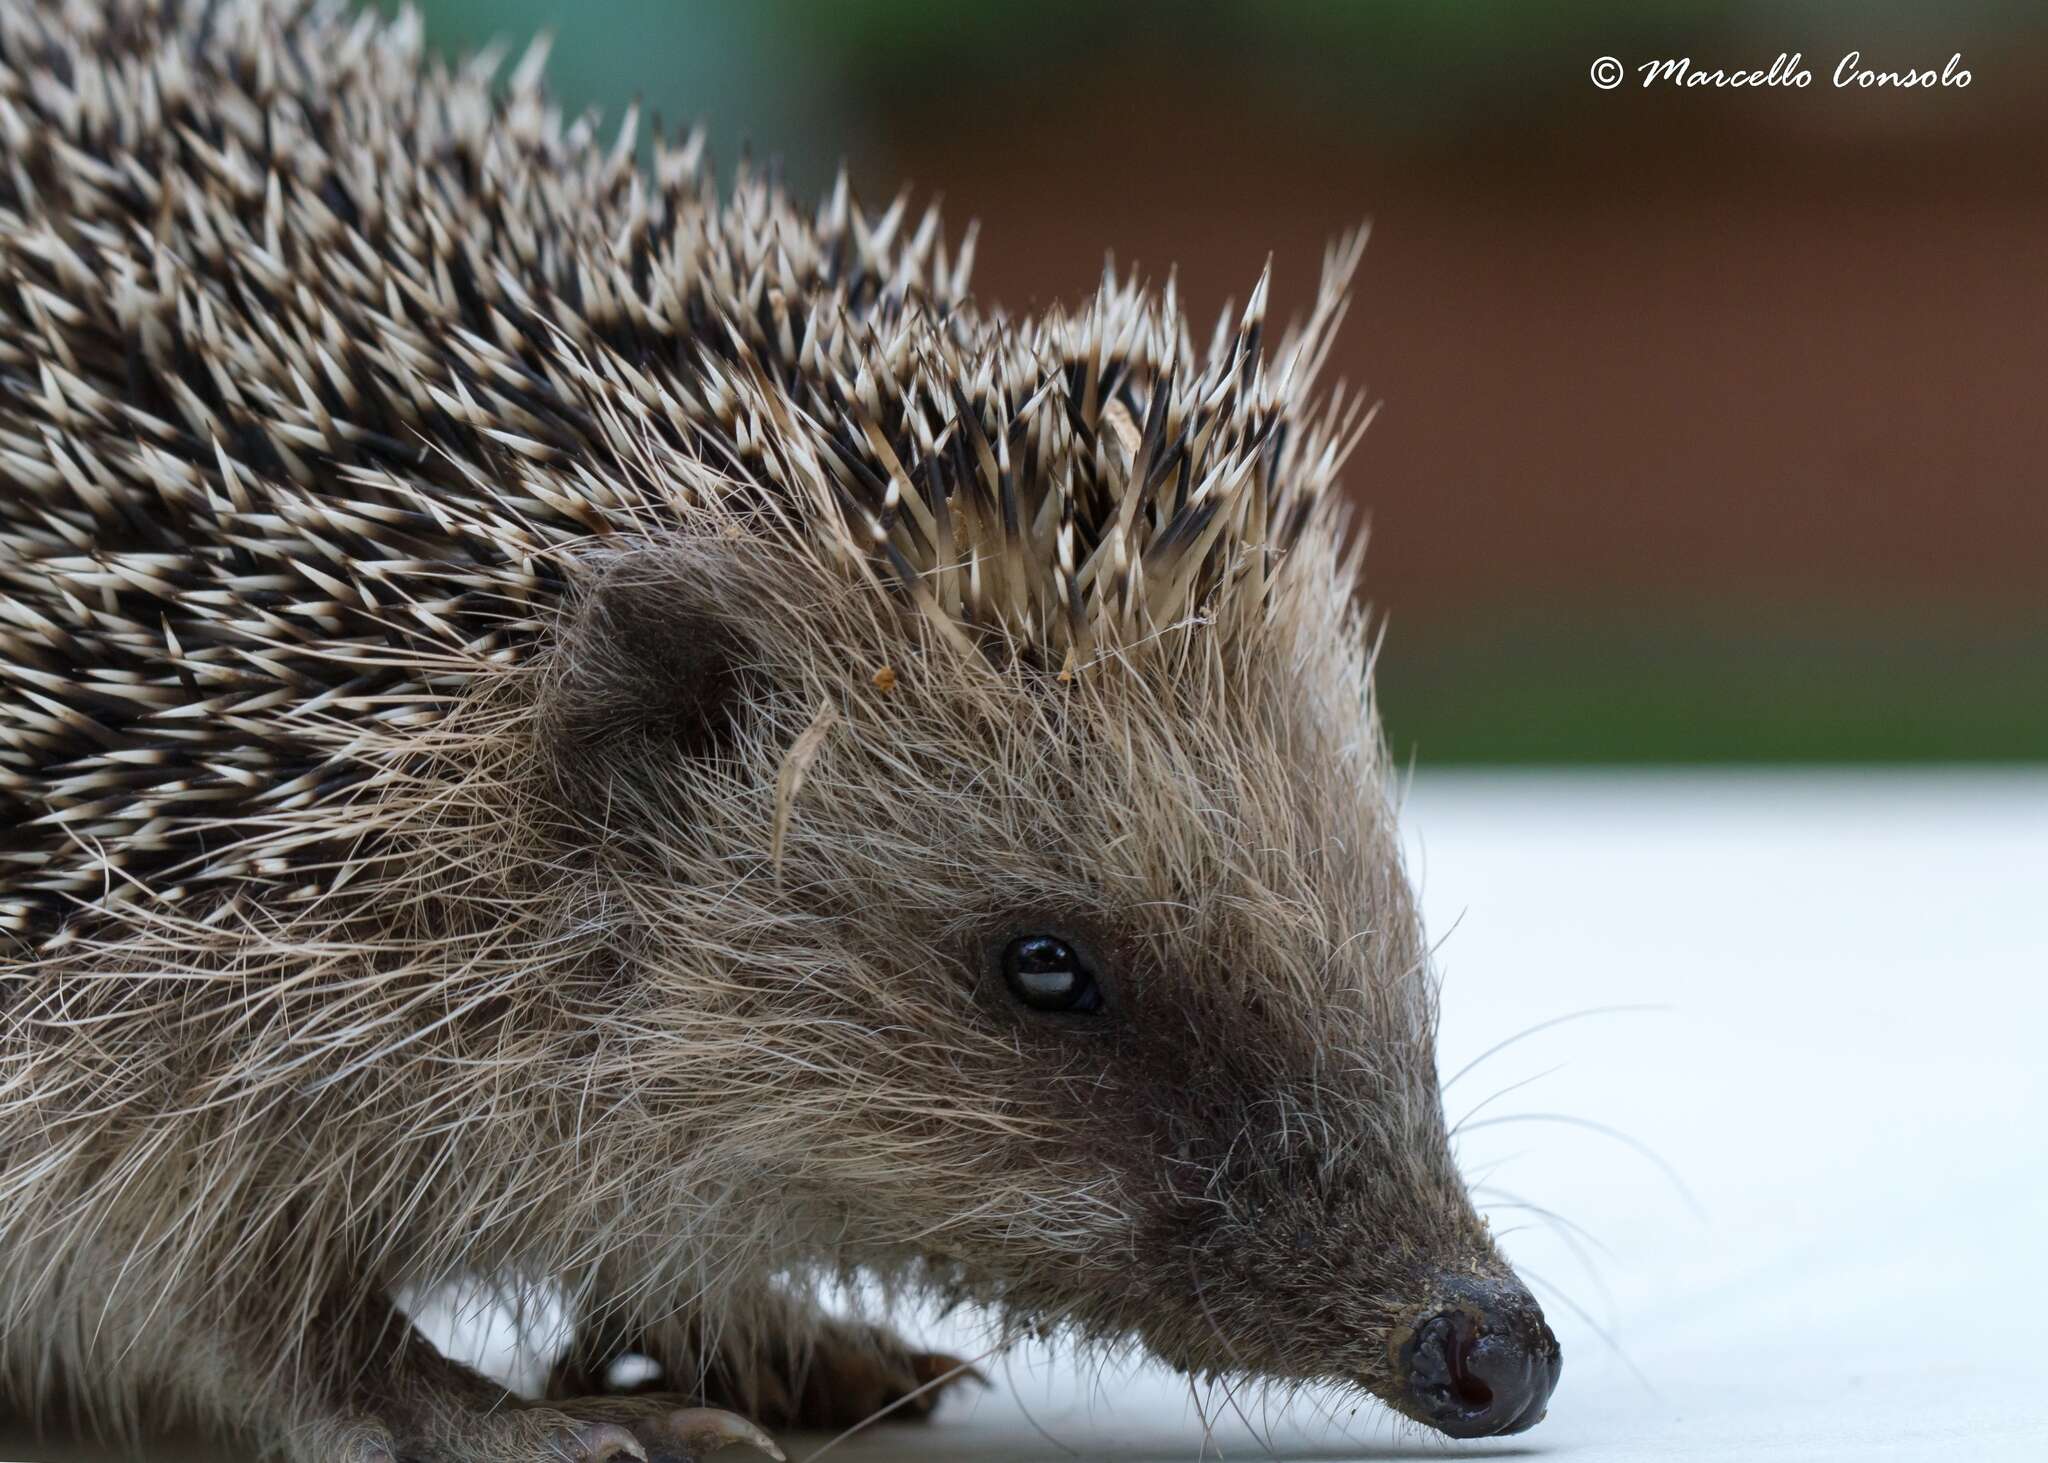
1485,1364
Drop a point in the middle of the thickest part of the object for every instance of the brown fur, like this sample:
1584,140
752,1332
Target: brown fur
426,543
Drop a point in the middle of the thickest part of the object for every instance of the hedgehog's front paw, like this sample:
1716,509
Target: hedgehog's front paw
847,1375
814,1372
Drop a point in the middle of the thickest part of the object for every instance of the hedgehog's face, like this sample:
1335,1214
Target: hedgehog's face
1102,999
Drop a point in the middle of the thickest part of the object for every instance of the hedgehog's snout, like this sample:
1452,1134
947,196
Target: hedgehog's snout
1480,1362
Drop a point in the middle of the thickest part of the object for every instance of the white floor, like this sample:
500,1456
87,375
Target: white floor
1837,1251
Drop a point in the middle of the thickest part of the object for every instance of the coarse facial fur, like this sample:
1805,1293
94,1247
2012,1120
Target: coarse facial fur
535,696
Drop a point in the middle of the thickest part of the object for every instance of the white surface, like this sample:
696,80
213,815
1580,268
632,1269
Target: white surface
1848,1077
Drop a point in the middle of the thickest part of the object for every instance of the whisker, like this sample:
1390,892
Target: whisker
1541,1026
1598,1330
1647,1152
1496,1166
1208,1431
1230,1397
1195,1277
1030,1421
1574,1237
1517,1201
1512,1087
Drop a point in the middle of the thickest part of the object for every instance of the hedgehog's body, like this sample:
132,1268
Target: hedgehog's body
530,694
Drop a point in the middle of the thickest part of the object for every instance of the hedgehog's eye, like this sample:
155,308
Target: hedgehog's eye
1048,974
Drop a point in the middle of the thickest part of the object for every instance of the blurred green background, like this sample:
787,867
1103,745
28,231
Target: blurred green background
1713,423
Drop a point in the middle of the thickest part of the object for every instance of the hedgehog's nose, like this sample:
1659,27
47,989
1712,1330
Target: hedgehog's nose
1483,1365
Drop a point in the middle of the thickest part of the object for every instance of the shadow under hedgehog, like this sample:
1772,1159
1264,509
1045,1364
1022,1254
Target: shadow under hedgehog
562,723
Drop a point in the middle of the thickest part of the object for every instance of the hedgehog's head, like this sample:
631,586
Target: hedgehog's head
1062,963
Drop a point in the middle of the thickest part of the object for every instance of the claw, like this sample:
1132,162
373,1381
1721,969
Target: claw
931,1366
707,1429
603,1442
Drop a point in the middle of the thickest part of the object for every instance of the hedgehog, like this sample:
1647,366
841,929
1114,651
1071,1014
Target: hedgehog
569,721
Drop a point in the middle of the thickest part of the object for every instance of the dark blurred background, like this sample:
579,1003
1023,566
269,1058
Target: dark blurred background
1713,421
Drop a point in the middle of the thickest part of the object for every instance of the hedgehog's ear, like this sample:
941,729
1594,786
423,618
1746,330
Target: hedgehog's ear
645,672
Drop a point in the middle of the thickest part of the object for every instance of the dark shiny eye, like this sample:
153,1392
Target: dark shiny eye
1047,974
